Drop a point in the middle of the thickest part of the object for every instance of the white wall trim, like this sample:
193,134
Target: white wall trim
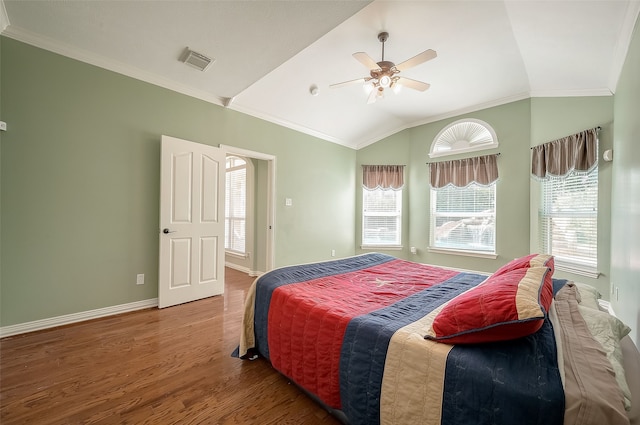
623,43
4,18
606,305
68,319
252,273
452,114
91,58
271,187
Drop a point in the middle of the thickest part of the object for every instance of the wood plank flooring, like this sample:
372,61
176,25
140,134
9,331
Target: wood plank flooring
152,366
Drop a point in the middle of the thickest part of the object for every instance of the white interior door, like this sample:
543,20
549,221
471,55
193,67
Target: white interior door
191,221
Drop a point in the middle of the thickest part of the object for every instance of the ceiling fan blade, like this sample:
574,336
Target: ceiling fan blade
417,60
348,83
366,60
413,84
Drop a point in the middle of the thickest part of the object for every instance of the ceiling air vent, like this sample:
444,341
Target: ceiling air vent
196,60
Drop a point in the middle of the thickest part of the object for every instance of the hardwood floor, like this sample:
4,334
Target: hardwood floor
149,367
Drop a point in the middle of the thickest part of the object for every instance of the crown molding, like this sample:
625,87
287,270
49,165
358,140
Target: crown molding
624,41
572,93
91,58
4,18
238,107
474,108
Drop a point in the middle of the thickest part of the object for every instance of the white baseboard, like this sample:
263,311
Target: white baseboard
67,319
243,269
606,305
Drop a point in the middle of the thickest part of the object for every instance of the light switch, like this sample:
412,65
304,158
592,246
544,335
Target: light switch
288,202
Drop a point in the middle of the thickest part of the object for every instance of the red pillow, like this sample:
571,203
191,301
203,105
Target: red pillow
532,260
506,306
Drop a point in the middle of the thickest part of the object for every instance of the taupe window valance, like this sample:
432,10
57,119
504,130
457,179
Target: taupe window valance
383,176
482,170
578,152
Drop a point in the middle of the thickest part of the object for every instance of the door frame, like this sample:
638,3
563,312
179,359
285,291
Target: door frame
271,196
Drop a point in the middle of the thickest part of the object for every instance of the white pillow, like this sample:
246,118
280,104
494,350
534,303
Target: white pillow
589,295
608,331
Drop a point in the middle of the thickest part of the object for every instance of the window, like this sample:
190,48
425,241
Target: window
568,215
235,205
464,218
381,217
569,221
466,135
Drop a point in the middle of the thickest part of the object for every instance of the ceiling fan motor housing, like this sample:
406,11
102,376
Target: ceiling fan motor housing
387,69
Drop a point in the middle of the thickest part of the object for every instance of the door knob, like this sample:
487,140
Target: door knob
166,230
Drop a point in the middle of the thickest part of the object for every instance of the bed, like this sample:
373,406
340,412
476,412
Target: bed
380,340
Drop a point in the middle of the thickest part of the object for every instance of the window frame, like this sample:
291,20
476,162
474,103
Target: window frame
433,214
398,214
245,166
566,263
464,136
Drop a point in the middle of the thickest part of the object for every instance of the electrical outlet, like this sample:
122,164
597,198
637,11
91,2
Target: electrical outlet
333,252
140,279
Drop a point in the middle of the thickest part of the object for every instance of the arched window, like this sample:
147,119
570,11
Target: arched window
466,135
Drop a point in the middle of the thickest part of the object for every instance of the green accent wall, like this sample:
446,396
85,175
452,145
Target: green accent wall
625,210
411,147
79,188
80,179
518,125
554,118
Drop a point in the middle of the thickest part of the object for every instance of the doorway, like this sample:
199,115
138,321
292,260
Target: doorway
264,244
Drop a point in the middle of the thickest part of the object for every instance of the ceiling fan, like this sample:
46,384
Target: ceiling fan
383,74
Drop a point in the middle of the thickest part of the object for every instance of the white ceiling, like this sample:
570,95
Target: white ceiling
269,53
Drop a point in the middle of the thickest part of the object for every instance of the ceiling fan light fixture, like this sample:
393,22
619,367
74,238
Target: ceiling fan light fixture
368,87
385,81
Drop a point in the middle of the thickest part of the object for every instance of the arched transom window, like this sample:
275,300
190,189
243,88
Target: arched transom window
466,135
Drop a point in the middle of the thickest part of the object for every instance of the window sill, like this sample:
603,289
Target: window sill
382,247
573,269
476,254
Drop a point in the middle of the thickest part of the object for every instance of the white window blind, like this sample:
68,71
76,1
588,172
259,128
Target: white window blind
569,221
381,217
463,218
235,204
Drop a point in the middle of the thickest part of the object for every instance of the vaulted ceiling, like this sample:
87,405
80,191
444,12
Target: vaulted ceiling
270,54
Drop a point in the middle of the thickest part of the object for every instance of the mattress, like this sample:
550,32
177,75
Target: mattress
351,333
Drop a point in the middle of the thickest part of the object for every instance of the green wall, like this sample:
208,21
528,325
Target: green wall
625,211
518,125
80,183
511,123
553,118
394,150
79,171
